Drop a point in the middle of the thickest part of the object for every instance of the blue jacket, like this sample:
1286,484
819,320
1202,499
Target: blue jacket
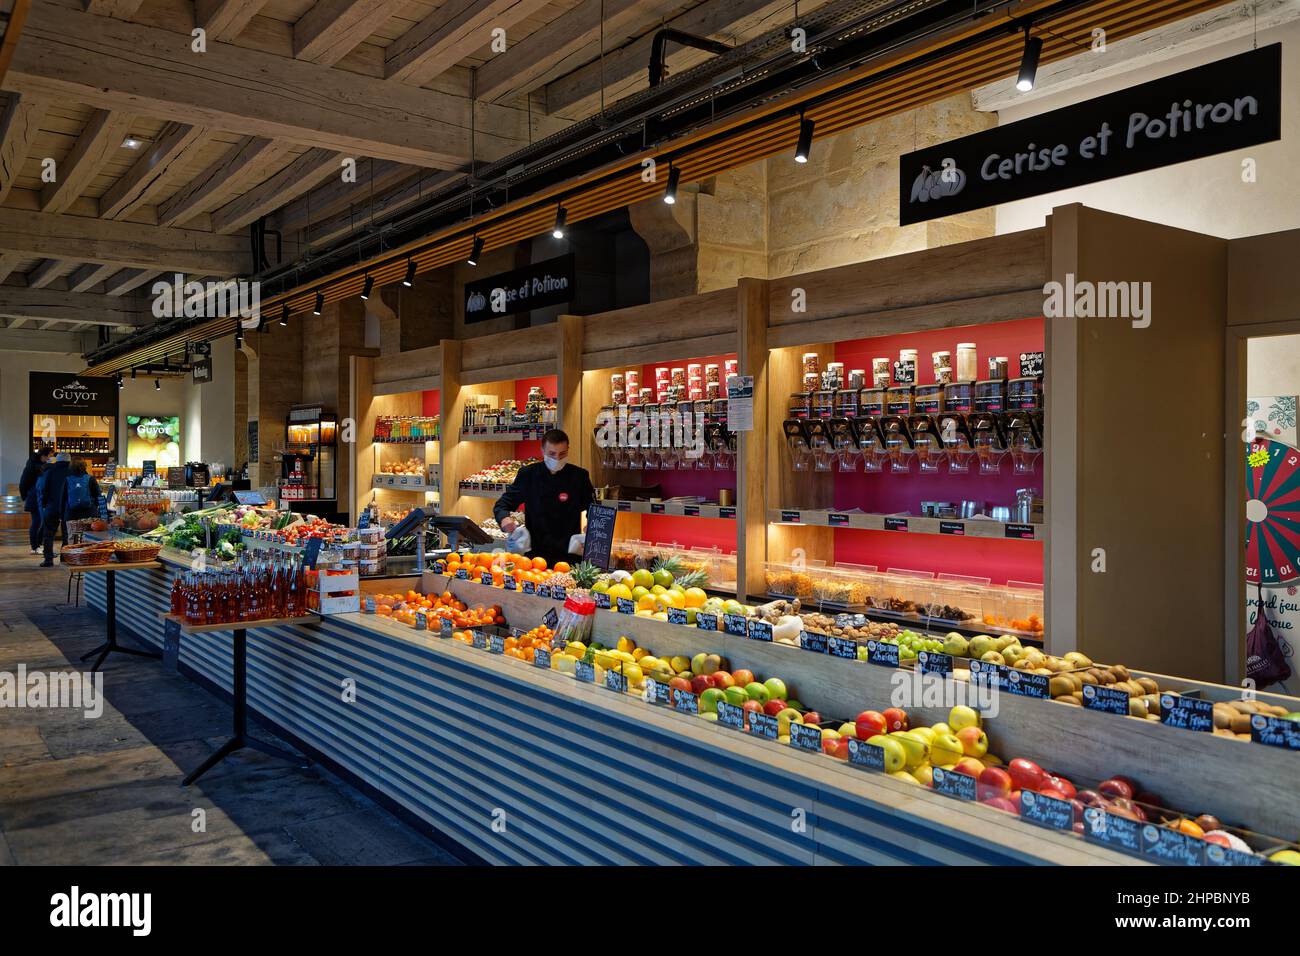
52,492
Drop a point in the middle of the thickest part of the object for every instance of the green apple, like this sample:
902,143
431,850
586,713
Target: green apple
709,714
758,692
736,695
709,699
962,716
915,745
785,718
945,750
697,662
925,733
981,644
797,705
775,687
940,729
848,730
895,755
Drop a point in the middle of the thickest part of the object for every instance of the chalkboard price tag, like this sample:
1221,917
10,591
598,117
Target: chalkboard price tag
1031,364
558,593
1226,856
440,567
1046,811
960,786
1189,713
952,527
986,674
736,624
550,618
601,599
544,590
462,574
842,647
615,681
626,606
445,628
763,725
485,578
895,524
863,754
883,653
1275,731
370,605
1019,531
529,587
508,582
727,512
1111,830
791,517
496,644
730,715
760,630
479,640
1171,846
585,671
706,621
542,658
1105,699
691,511
837,520
806,737
677,615
932,662
421,621
812,641
1031,685
685,701
656,692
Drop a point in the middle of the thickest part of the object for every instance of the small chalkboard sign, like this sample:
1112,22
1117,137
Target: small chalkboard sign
479,640
600,598
1275,731
760,630
731,715
1028,685
585,671
985,674
542,657
615,681
485,577
496,644
508,582
311,552
1172,846
1105,699
462,574
812,641
895,524
529,587
842,647
1111,830
763,725
677,615
148,469
863,754
684,700
446,628
951,783
932,662
735,624
110,471
626,605
1046,811
176,477
706,621
1188,713
599,540
1226,856
544,590
905,373
883,653
656,692
171,643
1031,364
806,737
550,618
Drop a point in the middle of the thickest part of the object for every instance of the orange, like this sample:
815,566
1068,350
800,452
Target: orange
562,567
454,556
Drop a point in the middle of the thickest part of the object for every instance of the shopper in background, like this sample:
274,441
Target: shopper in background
80,494
554,493
32,472
51,501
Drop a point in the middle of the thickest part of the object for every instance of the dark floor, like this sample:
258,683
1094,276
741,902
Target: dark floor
75,790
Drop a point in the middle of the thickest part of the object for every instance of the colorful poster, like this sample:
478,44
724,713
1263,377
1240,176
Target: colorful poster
153,438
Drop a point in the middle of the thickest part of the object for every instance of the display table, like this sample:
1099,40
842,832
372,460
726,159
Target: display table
110,570
240,739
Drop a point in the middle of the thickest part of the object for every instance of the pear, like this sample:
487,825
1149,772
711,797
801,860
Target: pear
956,645
981,644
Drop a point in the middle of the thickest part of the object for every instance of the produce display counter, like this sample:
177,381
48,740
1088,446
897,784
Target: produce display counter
518,764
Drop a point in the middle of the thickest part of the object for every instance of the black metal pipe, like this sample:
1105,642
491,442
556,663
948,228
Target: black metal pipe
657,49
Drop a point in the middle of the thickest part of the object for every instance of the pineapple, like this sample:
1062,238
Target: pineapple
671,563
692,579
585,574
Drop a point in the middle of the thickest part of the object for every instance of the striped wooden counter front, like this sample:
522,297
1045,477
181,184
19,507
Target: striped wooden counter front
521,765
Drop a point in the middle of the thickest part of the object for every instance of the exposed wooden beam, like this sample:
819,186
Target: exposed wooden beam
147,175
221,180
122,9
8,263
14,339
89,276
308,170
225,19
125,244
47,271
563,45
411,193
49,305
19,127
127,280
332,29
117,65
626,69
100,139
374,177
449,34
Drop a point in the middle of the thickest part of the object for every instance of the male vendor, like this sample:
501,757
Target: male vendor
555,494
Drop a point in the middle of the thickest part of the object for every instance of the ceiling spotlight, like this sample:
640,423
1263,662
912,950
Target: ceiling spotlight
1029,62
132,142
476,251
804,146
284,316
370,284
239,336
157,385
560,217
670,194
409,279
320,303
120,383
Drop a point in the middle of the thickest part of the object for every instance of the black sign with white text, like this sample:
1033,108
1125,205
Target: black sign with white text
520,290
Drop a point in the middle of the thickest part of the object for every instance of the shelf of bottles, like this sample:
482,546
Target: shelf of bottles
406,429
485,420
263,586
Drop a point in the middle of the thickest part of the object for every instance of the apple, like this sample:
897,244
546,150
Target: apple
945,750
699,684
895,755
1054,782
697,663
1154,800
1124,807
709,699
941,729
848,730
1003,804
870,723
1026,774
993,782
974,742
895,719
713,663
812,717
1220,838
906,777
787,717
916,747
924,775
752,706
1285,857
1090,798
742,677
1116,787
969,766
776,687
722,679
926,733
797,705
962,716
837,747
681,683
737,696
773,707
758,692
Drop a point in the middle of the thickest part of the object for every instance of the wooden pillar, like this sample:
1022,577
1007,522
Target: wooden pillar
453,410
751,453
362,413
568,378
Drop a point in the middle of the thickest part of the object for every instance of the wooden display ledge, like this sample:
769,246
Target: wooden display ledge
240,625
913,524
674,508
511,436
111,565
481,493
393,483
1187,768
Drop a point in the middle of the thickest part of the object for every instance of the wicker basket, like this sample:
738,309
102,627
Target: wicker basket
87,555
134,552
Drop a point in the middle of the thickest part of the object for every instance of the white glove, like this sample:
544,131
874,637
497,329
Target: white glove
519,541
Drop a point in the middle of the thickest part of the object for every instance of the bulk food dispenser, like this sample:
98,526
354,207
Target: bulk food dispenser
1025,423
895,427
926,431
988,424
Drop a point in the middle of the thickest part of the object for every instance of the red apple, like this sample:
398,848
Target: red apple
699,684
1026,774
1014,797
774,706
681,683
1059,783
895,719
1133,784
742,677
837,747
1078,810
1001,803
870,723
969,766
1053,792
1078,827
1090,798
993,782
722,679
812,717
1115,787
753,706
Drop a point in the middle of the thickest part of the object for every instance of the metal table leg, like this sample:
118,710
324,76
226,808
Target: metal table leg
110,608
240,740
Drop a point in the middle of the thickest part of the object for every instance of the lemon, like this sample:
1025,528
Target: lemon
626,643
695,597
646,602
643,578
619,591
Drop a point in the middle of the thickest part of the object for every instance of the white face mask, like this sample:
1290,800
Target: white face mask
553,464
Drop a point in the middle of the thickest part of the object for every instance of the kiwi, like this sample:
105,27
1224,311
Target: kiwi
1241,724
1148,685
1120,671
1137,707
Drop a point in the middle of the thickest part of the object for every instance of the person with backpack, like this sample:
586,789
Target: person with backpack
51,495
32,472
80,493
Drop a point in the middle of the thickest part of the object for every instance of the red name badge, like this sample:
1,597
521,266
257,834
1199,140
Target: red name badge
564,496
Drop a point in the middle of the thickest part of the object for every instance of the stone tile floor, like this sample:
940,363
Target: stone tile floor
107,790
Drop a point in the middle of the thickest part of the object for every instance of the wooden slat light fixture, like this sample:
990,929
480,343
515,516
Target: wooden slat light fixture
905,78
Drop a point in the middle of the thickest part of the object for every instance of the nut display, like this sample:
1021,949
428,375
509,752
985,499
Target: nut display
412,466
